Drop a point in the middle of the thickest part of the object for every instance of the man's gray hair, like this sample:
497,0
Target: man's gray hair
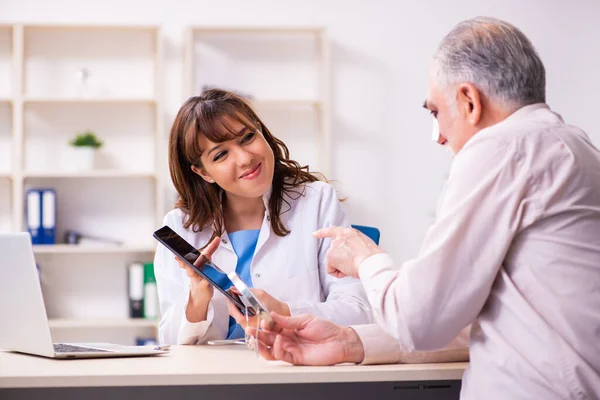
494,56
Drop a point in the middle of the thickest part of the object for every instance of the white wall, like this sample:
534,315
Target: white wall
383,156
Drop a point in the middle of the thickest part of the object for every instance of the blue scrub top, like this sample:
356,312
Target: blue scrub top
244,244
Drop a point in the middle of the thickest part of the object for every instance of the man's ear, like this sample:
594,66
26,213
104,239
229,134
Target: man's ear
470,99
203,174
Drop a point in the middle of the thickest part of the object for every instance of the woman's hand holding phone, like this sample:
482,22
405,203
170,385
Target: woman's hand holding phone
201,291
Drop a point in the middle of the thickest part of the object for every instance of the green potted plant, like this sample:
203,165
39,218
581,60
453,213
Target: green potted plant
85,145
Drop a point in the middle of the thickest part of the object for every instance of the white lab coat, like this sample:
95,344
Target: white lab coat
291,268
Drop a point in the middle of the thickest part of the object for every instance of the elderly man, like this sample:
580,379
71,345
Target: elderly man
514,250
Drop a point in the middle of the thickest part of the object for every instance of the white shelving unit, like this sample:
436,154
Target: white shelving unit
285,71
46,101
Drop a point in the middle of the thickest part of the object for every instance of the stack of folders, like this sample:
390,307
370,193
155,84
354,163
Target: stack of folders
142,291
40,215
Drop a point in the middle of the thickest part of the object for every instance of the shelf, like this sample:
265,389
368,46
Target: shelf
5,175
89,100
89,174
65,323
90,249
5,100
132,28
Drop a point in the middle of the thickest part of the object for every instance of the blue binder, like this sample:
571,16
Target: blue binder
33,215
49,216
40,214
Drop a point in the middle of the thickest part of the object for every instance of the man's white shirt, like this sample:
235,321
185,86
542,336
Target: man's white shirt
515,250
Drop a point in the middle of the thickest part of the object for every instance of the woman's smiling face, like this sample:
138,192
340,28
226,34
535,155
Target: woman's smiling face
242,166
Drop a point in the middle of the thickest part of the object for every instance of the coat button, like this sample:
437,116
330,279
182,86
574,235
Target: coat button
224,241
268,218
257,275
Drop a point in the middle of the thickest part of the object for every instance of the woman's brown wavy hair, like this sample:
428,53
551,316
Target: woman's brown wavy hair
199,200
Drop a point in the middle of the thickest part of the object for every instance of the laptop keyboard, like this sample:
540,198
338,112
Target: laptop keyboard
67,348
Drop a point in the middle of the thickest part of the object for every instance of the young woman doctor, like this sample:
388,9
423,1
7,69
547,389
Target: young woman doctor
252,209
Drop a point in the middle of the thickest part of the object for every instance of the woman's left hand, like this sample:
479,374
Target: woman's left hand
270,302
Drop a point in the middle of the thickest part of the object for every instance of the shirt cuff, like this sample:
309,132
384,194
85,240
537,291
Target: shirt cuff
379,347
193,332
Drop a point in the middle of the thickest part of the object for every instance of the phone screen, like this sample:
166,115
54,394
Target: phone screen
171,240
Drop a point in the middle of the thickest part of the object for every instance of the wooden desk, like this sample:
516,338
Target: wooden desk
204,372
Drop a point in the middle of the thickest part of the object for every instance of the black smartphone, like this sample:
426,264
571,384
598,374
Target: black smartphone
190,255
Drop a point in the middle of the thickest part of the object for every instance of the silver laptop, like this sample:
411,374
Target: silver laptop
25,325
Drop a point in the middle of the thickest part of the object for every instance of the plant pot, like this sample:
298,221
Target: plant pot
83,158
